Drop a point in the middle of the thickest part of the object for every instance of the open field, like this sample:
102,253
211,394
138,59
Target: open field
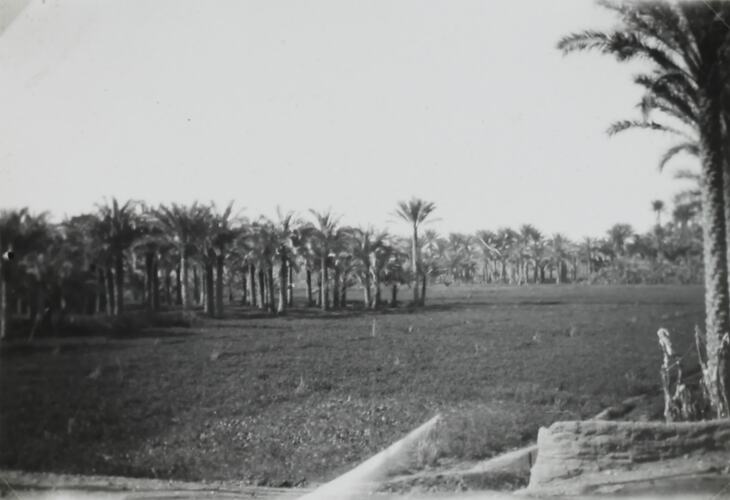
297,399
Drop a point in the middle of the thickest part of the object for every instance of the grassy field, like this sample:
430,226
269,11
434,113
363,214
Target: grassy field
297,399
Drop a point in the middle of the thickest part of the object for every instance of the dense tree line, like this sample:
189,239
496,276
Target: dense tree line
200,255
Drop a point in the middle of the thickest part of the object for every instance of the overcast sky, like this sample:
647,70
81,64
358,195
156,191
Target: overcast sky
352,105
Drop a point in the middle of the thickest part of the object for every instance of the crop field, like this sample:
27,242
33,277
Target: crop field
298,399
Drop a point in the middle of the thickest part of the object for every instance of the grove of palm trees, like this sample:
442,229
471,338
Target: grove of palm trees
203,341
200,256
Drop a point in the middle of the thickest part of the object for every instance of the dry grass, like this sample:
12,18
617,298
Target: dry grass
283,401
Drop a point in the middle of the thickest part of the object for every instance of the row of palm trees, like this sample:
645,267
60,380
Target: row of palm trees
95,262
199,254
687,47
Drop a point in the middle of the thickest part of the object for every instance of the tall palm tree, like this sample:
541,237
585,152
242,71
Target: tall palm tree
530,242
559,250
223,232
686,45
119,227
506,242
415,212
88,256
364,243
490,253
284,229
327,232
265,243
186,226
151,243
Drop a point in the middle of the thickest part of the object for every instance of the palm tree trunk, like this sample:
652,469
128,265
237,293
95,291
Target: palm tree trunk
196,286
119,285
155,284
270,285
375,299
336,288
423,289
109,286
244,287
99,290
262,288
252,279
290,287
219,286
184,279
209,291
324,289
205,294
283,275
574,270
343,292
319,289
168,287
415,263
148,279
309,288
366,286
178,286
394,295
715,257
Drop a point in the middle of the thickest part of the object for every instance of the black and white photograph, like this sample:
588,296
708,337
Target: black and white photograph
350,249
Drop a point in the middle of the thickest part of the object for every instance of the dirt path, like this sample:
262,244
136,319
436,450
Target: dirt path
31,485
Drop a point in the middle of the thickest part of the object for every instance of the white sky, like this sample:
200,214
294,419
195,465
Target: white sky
351,105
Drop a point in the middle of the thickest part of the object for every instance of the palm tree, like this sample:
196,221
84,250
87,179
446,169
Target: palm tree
186,226
531,249
505,242
393,270
326,232
365,242
304,242
657,206
88,255
22,236
432,265
223,233
559,250
152,242
387,267
490,254
619,235
265,243
415,212
118,228
283,231
686,44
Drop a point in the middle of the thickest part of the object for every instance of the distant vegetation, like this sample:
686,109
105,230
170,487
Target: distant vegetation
200,255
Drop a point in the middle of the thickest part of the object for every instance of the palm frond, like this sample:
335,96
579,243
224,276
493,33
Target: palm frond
689,147
687,174
623,125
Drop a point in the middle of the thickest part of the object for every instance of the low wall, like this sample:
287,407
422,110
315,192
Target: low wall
594,455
